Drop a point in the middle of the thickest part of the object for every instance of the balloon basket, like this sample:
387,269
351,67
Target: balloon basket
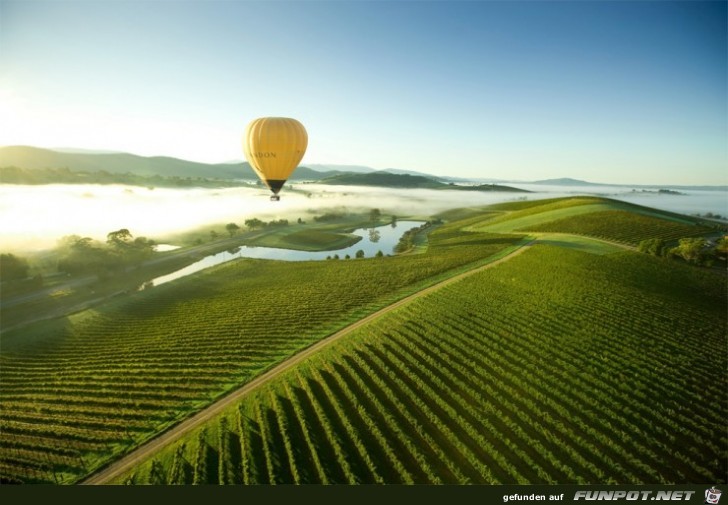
275,198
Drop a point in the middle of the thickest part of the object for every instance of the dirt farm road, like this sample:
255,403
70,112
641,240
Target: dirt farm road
117,468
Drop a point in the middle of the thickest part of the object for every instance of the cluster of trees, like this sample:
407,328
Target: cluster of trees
697,250
232,228
711,215
252,224
63,175
374,215
358,255
255,223
83,255
13,267
407,241
330,216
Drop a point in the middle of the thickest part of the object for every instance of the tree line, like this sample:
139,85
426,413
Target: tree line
407,241
63,175
696,250
84,255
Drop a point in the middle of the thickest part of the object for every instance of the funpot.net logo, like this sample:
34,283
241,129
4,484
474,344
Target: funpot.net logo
712,496
618,495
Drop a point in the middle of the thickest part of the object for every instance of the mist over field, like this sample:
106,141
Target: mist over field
35,217
688,201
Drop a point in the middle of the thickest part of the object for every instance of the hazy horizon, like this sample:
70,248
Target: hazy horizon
95,210
613,92
332,166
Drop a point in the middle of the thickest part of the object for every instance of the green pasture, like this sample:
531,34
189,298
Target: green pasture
578,243
307,240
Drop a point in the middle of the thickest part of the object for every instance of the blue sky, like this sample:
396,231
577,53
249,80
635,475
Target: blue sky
617,92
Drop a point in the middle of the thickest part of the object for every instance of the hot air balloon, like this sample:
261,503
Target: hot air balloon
274,146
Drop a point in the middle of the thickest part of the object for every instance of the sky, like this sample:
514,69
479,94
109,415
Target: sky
613,92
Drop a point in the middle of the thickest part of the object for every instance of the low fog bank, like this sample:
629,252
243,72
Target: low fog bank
405,202
35,217
686,201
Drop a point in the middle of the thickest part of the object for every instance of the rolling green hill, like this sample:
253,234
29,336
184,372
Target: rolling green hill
402,180
34,158
385,179
621,226
593,216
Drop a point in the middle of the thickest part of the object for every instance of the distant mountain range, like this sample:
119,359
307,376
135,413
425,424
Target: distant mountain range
83,151
566,181
84,160
356,169
360,169
34,158
382,178
406,180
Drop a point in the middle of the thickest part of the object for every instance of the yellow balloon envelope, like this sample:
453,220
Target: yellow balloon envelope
274,146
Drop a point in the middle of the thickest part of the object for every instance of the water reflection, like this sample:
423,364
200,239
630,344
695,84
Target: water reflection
381,238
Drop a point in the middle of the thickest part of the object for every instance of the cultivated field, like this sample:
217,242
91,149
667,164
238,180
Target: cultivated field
557,366
576,361
78,392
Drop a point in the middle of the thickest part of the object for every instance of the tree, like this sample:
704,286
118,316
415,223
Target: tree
13,267
690,249
214,235
128,250
721,248
653,246
254,223
141,249
232,228
379,254
374,215
119,239
359,254
79,255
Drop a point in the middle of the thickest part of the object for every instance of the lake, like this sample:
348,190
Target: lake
380,238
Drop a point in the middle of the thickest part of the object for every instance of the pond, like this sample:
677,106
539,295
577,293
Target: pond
380,238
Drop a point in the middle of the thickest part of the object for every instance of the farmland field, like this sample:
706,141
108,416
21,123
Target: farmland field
575,362
592,216
78,392
557,366
307,240
621,226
